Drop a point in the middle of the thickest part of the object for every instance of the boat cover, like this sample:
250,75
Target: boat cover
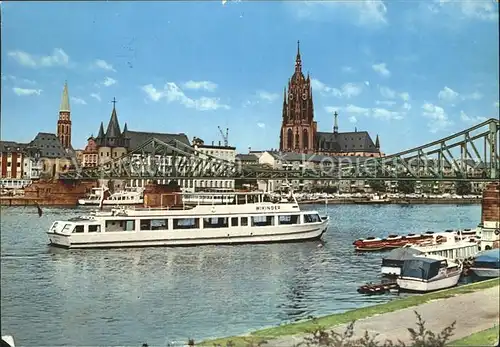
424,268
489,259
402,253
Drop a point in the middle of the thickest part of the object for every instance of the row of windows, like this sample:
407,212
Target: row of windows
194,223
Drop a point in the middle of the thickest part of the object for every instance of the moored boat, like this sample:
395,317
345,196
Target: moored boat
426,273
93,198
250,219
393,262
487,264
390,242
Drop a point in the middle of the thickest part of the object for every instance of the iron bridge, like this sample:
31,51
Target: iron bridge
471,154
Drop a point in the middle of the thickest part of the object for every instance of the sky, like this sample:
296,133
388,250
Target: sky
410,71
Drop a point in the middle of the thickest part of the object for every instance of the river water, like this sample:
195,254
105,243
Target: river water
56,297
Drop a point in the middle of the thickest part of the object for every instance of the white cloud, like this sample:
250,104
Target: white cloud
261,125
385,102
473,96
448,95
381,69
353,119
95,96
405,96
347,90
466,118
17,79
200,85
172,93
78,101
368,12
266,96
438,119
26,92
472,9
108,81
387,92
57,58
347,69
407,106
355,111
102,64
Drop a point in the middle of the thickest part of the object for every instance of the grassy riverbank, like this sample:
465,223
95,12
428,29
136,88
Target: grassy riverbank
349,316
488,337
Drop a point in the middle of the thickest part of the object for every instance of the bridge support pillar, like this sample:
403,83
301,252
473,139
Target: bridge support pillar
490,216
493,139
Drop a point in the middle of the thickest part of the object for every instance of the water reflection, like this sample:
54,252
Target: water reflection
57,297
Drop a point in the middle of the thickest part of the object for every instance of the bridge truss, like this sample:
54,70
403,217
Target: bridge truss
471,154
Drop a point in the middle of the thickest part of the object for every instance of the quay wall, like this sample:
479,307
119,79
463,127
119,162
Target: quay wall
51,193
490,206
394,201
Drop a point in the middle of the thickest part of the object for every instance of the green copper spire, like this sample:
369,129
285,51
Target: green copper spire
65,99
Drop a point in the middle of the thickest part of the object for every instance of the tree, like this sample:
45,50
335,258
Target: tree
463,188
406,187
378,186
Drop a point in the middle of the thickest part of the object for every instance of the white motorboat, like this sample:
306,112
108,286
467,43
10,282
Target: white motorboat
487,264
250,219
426,273
8,340
94,198
129,196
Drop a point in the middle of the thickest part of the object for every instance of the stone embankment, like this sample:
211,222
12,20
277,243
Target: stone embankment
472,312
50,193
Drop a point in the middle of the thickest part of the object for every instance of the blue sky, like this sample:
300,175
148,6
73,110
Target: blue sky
410,71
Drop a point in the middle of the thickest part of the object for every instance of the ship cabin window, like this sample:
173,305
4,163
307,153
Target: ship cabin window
94,228
186,223
120,225
154,224
262,221
234,221
311,218
244,221
215,222
78,229
289,219
159,224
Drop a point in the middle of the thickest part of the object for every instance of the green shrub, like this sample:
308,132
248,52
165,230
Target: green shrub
321,337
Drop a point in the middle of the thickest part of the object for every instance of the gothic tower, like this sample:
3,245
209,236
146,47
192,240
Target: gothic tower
298,128
64,122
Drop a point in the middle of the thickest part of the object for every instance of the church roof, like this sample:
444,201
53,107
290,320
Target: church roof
113,130
50,146
137,138
65,100
355,141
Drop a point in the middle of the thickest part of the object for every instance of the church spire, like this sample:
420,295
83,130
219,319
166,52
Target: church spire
298,60
335,122
65,99
377,142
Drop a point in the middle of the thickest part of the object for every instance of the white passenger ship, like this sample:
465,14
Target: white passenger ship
252,218
129,196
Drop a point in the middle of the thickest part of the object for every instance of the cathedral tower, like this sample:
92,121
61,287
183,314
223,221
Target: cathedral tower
64,122
298,128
